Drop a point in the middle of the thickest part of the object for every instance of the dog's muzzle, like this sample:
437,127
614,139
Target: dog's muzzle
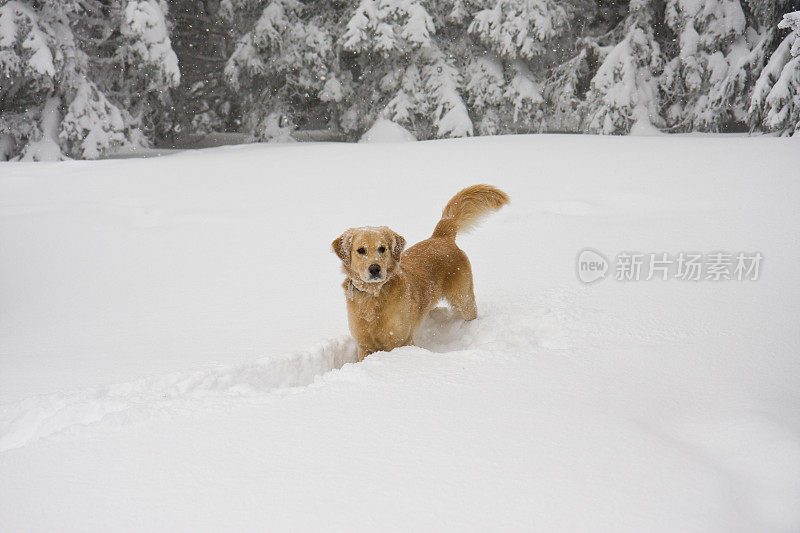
374,272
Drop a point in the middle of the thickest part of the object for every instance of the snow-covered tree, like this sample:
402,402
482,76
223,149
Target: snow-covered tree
485,88
566,87
767,13
203,41
505,83
32,62
729,99
398,71
81,77
283,67
623,93
146,65
775,102
710,34
520,28
504,97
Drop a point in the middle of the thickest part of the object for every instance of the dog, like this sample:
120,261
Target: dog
390,291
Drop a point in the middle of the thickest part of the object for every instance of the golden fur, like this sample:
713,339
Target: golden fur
389,291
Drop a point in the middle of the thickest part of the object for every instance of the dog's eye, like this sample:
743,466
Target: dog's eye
362,251
381,249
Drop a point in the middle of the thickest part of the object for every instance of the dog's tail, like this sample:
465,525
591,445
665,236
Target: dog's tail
466,209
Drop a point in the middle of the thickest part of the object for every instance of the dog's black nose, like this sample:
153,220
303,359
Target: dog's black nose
374,270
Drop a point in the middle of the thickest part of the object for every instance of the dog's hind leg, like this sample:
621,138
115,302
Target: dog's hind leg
465,305
460,294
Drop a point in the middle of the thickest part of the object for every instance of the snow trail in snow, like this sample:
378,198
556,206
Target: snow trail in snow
119,404
38,417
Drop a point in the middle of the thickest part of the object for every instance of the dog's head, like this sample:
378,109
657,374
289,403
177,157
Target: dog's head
369,254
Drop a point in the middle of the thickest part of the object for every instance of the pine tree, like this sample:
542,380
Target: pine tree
597,26
397,70
566,88
708,33
505,84
768,13
775,102
282,66
144,68
729,99
520,28
32,66
203,41
623,95
82,77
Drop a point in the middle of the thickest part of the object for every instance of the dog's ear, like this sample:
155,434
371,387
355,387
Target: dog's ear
341,246
398,245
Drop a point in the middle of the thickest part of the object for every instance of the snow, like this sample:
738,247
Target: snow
46,148
41,59
332,90
643,125
689,40
792,21
175,356
355,35
8,24
386,131
418,27
272,22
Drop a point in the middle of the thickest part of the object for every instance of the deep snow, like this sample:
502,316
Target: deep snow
173,348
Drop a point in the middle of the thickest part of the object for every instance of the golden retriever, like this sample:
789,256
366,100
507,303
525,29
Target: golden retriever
389,291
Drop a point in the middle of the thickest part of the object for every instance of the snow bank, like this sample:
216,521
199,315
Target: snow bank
386,131
165,368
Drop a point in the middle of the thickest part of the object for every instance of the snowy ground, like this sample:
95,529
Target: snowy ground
174,352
